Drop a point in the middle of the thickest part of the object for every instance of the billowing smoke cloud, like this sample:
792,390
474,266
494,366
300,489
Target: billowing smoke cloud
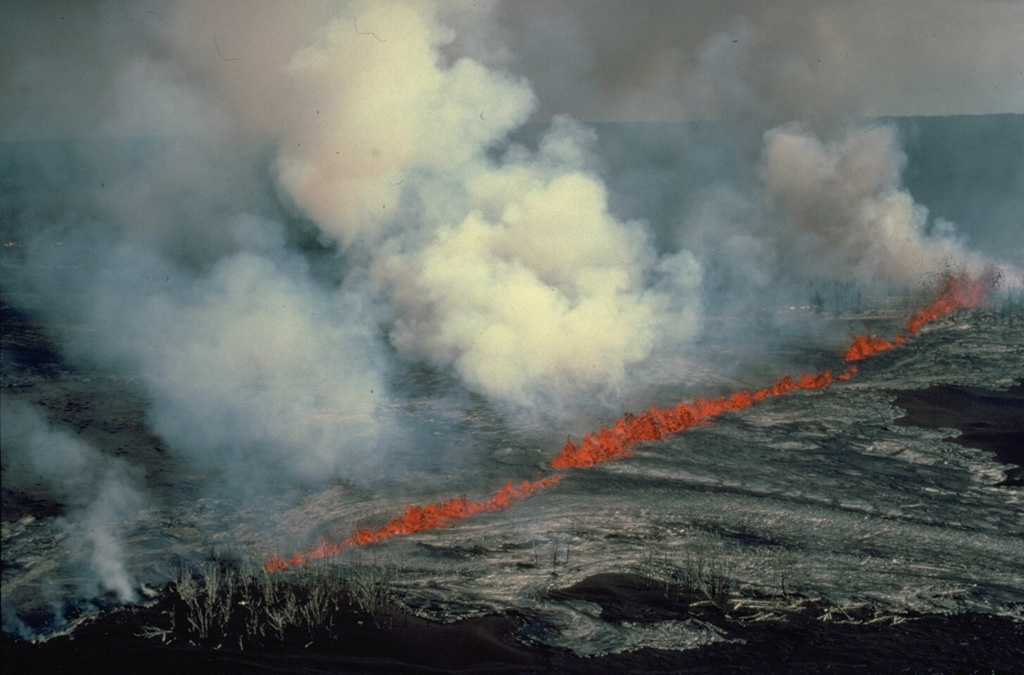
824,219
254,368
297,198
371,103
258,368
538,290
100,495
849,210
510,270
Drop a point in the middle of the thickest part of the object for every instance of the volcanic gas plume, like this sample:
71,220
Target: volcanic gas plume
613,442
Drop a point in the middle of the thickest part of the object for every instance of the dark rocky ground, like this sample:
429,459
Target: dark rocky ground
988,420
807,636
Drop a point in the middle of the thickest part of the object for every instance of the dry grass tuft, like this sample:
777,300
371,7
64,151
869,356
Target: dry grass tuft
216,603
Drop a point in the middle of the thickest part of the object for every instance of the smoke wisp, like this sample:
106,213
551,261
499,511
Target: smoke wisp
101,495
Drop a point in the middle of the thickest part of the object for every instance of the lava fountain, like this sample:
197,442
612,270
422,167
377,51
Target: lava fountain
957,292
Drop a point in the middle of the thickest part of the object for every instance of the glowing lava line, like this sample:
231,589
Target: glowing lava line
956,292
417,519
612,443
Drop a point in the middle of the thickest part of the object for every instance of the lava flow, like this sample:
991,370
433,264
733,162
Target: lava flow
611,443
654,424
416,519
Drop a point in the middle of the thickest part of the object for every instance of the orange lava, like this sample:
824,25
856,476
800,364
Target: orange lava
611,443
416,519
850,372
956,292
864,346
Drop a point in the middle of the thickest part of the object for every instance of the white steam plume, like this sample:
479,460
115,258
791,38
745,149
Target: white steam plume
513,271
434,236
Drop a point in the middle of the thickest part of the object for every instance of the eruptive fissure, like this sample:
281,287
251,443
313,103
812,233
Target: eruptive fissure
614,442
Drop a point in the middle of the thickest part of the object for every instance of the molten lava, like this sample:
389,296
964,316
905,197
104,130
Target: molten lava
864,346
614,442
850,372
956,292
416,519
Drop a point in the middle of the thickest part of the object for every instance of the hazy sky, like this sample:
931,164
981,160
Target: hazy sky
669,59
61,63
